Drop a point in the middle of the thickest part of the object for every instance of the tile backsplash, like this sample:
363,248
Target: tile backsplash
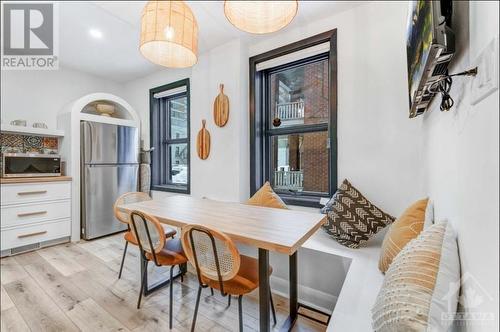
16,143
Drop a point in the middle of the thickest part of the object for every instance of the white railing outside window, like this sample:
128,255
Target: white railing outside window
293,180
290,111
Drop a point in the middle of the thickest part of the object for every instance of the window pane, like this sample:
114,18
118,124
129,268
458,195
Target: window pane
299,95
178,117
300,162
178,156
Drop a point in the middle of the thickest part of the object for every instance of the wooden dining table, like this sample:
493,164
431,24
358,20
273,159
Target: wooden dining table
268,229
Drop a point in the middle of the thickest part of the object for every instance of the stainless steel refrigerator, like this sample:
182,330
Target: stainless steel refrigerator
109,168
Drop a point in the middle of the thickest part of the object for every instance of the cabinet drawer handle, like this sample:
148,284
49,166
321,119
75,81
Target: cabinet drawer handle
26,214
31,234
22,193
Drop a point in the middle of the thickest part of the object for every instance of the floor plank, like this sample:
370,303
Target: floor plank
12,321
76,287
27,258
114,300
10,270
99,249
6,302
80,255
37,309
61,290
90,317
60,262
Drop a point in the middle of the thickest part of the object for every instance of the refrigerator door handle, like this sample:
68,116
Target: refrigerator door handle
90,141
87,142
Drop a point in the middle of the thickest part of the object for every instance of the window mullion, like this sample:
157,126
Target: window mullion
169,164
268,174
298,129
176,140
162,124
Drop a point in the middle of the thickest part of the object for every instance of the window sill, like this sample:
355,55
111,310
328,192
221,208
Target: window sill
172,189
307,201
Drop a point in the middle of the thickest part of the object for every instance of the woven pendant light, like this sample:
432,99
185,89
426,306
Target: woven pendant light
260,17
169,34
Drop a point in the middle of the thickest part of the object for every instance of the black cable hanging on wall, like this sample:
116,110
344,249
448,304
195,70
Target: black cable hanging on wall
443,86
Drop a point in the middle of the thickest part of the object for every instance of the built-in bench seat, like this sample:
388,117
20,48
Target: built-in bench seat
363,280
352,311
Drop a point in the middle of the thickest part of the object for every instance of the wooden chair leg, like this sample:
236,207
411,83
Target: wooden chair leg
212,291
123,259
196,308
170,309
272,307
228,300
143,279
240,312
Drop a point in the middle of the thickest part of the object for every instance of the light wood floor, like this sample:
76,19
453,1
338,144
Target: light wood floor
75,287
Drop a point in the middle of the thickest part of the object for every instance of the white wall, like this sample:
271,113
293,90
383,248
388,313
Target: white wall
37,96
462,161
372,108
379,148
452,157
224,174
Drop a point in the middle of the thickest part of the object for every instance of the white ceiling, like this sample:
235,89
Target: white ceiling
116,55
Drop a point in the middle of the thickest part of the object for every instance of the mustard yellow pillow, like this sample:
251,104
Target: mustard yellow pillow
266,196
407,227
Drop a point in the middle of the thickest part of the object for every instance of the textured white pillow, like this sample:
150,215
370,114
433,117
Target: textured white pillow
419,290
429,214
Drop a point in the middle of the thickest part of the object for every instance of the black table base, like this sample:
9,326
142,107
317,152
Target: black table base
264,291
160,284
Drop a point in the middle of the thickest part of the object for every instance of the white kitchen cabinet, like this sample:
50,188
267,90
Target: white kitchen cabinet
34,214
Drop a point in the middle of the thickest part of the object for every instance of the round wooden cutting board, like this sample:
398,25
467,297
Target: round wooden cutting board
221,108
203,142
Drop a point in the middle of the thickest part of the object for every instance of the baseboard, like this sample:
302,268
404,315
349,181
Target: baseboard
309,296
33,246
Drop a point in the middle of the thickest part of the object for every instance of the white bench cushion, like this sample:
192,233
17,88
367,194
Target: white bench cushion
352,311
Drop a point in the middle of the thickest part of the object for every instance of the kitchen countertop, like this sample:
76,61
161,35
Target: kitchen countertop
35,179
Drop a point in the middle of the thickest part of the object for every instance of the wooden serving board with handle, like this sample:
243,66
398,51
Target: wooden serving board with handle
203,141
221,108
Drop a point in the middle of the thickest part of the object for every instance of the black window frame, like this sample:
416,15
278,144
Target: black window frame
261,130
160,156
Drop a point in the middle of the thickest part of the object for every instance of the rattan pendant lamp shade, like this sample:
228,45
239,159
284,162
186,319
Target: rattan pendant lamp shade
169,34
260,17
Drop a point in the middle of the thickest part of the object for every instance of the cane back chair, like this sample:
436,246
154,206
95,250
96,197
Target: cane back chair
128,198
156,248
220,266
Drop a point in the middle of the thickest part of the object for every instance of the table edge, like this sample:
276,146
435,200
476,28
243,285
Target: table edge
288,250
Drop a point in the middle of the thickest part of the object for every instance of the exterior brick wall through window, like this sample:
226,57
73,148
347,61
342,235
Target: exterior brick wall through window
300,97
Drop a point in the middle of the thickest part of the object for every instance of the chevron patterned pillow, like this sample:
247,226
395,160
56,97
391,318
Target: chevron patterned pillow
353,219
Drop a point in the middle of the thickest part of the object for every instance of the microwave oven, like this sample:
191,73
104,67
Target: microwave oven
30,165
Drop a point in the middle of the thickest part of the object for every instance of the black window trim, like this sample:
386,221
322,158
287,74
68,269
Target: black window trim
156,167
259,165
